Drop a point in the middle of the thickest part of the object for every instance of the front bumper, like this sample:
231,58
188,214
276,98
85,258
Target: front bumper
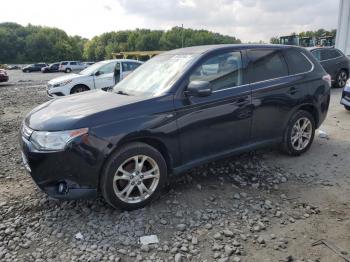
53,92
77,168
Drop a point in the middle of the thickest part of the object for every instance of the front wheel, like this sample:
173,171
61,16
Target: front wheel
78,89
299,134
133,176
347,108
68,70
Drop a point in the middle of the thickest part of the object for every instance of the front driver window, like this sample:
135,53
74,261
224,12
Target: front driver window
107,69
222,71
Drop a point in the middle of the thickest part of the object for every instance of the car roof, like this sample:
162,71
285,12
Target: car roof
201,49
121,60
320,47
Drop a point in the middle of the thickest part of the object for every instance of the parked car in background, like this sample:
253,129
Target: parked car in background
180,109
13,67
345,98
33,67
69,66
102,75
51,68
334,62
4,77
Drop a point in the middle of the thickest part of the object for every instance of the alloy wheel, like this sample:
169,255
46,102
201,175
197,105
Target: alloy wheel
342,78
301,133
136,179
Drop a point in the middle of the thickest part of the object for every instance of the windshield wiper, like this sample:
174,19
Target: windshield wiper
122,93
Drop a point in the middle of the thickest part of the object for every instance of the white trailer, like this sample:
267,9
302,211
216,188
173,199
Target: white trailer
343,31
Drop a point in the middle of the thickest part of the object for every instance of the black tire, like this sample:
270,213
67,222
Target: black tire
287,145
78,89
116,161
340,79
68,70
347,108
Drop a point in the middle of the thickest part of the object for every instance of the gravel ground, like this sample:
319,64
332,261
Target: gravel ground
261,206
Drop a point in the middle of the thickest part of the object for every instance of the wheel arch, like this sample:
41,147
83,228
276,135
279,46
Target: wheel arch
77,86
312,110
149,140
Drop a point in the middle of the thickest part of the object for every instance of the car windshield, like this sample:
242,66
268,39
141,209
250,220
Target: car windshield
155,76
93,68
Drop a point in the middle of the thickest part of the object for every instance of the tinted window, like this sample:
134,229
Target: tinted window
130,66
317,54
73,63
266,64
64,63
297,62
222,71
329,54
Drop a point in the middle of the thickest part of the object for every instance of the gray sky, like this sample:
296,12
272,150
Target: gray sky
249,20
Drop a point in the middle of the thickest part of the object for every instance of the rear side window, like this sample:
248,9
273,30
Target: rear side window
64,63
266,64
329,54
130,66
297,62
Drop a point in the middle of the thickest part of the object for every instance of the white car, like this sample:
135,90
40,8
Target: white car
69,66
102,75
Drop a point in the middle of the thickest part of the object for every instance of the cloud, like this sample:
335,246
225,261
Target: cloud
250,20
107,7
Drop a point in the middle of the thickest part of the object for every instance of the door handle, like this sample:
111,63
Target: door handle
292,90
241,101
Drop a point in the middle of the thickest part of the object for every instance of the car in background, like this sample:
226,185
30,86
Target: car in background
4,77
13,67
69,66
34,67
180,109
334,62
345,98
51,68
101,75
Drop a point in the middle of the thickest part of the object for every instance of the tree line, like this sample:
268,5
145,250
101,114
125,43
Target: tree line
26,44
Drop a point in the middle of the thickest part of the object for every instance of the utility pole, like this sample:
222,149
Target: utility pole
182,35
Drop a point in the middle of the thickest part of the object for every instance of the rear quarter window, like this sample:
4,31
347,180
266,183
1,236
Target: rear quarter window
297,62
266,64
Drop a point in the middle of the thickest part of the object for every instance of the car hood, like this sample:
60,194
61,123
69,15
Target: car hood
65,78
81,110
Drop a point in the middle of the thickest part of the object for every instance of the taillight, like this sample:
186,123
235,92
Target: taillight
328,79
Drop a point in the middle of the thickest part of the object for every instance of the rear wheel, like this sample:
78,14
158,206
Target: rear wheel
347,108
299,134
133,176
79,89
68,70
341,78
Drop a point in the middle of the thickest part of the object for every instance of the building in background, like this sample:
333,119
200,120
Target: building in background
343,31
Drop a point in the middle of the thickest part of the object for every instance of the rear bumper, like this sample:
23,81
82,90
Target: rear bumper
76,168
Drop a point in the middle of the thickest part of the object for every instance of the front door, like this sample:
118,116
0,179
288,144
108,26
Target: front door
220,122
104,79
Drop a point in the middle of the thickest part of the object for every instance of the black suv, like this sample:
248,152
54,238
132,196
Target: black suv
334,62
33,67
180,109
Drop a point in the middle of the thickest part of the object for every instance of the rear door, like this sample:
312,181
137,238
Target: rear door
274,93
220,122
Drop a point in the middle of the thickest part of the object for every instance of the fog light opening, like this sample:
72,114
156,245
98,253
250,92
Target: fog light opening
62,188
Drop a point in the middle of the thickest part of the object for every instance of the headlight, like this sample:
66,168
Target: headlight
54,141
347,87
63,83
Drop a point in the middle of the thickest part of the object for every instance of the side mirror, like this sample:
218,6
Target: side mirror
198,88
98,73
